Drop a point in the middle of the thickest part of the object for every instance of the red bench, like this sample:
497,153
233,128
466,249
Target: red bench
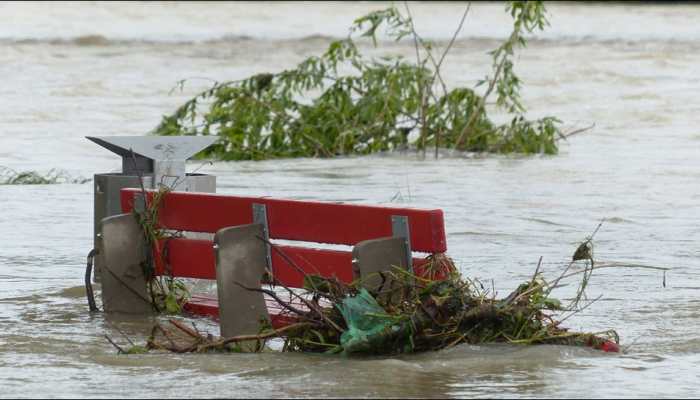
304,221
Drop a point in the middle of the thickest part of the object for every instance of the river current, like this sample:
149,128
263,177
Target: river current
71,70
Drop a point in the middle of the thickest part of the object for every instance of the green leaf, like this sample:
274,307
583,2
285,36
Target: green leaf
171,304
137,350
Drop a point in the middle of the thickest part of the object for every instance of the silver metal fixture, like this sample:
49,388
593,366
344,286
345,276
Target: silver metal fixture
157,160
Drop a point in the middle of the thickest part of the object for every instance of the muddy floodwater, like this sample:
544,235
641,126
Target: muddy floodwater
76,69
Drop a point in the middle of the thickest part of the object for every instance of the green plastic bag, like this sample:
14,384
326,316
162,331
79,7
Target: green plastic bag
368,324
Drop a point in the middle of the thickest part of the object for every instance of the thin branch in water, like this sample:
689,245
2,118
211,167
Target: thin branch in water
413,30
422,87
596,229
202,165
449,46
185,329
537,271
567,135
113,326
664,281
116,346
132,290
617,264
273,333
625,349
274,296
309,304
480,106
573,312
287,258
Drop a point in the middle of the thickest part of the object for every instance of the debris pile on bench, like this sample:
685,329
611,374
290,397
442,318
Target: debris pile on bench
334,301
404,314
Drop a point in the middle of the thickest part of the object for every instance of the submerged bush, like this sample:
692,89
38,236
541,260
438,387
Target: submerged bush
343,103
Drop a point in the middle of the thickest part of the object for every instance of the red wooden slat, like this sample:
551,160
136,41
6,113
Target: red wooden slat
203,305
193,258
208,306
327,263
308,221
188,258
324,262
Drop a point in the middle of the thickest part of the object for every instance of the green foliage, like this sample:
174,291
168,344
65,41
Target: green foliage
168,294
175,297
136,350
342,102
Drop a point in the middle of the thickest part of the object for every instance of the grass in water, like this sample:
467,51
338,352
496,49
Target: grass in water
9,176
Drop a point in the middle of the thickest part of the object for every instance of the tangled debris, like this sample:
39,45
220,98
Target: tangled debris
435,308
419,315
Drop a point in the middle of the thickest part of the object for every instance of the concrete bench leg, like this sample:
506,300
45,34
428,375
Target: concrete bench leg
123,280
371,257
240,260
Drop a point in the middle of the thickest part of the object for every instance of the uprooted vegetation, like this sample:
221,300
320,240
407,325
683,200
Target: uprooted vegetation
406,312
343,102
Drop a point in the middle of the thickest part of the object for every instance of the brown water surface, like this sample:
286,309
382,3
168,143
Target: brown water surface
76,69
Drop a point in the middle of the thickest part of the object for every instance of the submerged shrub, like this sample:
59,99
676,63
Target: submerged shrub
342,102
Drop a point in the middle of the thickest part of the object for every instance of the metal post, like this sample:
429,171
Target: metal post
400,228
123,279
260,217
240,265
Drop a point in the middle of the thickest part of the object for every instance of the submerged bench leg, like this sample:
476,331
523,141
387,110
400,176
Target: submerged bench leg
241,259
372,257
123,280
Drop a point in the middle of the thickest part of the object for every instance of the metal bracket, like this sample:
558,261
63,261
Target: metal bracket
260,217
399,228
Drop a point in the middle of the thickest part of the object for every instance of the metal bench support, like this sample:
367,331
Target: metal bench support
260,217
400,228
123,279
372,258
240,264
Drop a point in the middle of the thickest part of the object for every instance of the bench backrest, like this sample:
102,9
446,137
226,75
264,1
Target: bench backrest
306,221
